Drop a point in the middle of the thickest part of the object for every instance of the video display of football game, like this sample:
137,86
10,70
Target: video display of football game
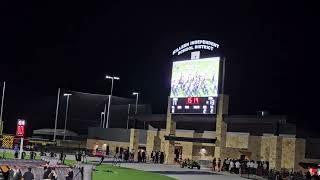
194,86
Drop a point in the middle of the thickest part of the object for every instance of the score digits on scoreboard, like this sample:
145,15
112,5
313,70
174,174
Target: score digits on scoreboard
193,105
192,100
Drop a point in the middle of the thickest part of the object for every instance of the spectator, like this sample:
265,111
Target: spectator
214,163
151,155
237,164
53,175
227,164
47,171
16,151
69,175
143,154
157,157
231,168
17,175
255,167
28,175
162,157
219,165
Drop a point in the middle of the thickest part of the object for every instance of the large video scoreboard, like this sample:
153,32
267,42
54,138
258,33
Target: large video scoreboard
194,86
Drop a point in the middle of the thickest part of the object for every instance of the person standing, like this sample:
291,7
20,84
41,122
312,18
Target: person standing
157,157
139,156
151,155
143,154
28,175
219,165
162,157
16,152
231,168
214,163
237,164
227,164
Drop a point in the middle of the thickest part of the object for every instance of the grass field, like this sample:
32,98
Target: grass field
9,155
119,173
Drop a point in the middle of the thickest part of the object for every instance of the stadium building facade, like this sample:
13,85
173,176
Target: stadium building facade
198,137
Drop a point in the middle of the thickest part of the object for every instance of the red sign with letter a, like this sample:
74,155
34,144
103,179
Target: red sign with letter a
20,127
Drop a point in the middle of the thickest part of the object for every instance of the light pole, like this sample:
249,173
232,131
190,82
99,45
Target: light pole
128,116
2,101
137,99
56,119
66,116
109,100
101,119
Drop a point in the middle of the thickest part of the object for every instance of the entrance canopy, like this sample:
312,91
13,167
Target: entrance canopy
189,139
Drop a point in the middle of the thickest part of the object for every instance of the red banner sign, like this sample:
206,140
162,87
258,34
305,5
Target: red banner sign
20,127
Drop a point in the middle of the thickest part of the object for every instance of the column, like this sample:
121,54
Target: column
275,152
134,142
221,127
170,130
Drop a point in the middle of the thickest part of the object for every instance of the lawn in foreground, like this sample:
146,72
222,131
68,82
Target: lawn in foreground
104,171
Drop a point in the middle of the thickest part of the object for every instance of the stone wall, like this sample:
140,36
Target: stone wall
288,153
236,140
102,144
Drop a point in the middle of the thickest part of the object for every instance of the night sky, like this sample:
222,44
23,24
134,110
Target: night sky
271,50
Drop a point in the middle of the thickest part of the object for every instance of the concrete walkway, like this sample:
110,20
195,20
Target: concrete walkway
181,173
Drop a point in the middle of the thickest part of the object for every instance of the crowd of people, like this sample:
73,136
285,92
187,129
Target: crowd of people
240,166
157,157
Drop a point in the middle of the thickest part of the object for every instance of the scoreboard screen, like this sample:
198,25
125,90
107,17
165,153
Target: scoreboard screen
194,86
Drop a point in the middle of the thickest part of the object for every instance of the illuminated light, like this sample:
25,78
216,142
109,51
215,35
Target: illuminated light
67,94
116,78
211,107
172,106
203,151
187,107
179,107
135,93
195,44
196,107
204,107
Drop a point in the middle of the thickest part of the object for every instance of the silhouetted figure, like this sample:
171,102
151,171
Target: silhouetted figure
47,171
157,157
139,156
161,157
69,175
101,160
143,154
28,175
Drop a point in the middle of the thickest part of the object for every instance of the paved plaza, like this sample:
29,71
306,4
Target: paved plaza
181,173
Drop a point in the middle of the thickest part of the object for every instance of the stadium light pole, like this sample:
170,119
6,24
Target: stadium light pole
109,100
128,116
137,99
101,119
66,116
56,119
2,101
